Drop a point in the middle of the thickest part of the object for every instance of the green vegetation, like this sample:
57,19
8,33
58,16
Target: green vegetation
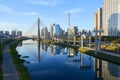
110,48
116,41
102,56
21,69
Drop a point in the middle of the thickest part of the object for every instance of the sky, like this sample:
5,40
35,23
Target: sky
22,14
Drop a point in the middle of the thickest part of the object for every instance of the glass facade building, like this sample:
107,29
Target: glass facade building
57,31
111,17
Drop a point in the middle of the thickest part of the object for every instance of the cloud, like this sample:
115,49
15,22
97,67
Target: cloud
44,2
73,10
5,9
11,11
9,26
29,13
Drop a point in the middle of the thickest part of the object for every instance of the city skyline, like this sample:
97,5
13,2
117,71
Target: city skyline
60,40
22,14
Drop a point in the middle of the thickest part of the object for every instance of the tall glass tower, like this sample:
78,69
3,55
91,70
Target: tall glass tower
111,17
57,31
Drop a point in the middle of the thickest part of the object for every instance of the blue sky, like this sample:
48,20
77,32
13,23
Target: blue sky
22,14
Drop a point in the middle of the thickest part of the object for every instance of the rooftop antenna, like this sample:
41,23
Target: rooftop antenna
38,29
68,19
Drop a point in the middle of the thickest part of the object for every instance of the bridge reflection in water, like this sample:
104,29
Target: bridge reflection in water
65,61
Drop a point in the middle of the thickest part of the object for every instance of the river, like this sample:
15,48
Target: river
53,62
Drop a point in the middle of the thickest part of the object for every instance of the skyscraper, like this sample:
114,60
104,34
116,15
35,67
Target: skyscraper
98,20
7,33
44,33
73,30
1,32
19,33
57,31
13,33
111,17
51,30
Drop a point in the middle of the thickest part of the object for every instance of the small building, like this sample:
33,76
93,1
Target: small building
19,33
7,33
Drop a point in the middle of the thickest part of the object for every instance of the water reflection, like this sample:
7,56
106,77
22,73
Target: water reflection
84,66
59,63
38,51
75,57
57,50
106,70
52,50
44,46
111,71
98,69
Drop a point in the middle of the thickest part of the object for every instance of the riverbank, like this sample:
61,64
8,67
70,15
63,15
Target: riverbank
21,69
91,52
101,55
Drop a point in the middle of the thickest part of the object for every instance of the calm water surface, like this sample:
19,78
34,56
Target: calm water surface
53,62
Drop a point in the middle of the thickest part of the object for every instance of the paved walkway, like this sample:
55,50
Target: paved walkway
110,53
8,68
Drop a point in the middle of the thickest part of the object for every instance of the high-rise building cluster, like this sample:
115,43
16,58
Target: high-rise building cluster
57,32
72,31
108,18
44,33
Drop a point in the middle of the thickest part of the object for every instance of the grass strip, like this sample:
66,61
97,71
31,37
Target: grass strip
21,69
103,56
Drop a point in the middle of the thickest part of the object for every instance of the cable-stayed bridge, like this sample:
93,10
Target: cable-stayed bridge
35,30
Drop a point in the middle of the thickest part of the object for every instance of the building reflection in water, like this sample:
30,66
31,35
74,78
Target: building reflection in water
84,66
57,49
98,69
75,57
111,71
106,70
52,50
103,70
44,46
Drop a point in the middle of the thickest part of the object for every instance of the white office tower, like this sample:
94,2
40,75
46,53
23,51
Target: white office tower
111,17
